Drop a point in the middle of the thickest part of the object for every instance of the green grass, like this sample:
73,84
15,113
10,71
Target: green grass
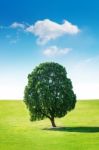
79,130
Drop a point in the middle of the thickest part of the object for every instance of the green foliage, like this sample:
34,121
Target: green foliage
49,92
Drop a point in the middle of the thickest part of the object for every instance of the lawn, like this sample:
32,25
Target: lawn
79,130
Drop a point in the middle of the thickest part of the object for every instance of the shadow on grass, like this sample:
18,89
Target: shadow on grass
85,129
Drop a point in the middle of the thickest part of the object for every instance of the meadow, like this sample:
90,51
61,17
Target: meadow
78,130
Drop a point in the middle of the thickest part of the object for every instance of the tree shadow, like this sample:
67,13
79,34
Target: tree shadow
85,129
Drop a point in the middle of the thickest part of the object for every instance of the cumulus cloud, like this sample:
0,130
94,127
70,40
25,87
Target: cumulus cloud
17,25
47,30
55,51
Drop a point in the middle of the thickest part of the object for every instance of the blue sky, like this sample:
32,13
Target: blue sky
35,31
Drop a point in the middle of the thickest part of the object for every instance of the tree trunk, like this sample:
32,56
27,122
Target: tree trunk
53,122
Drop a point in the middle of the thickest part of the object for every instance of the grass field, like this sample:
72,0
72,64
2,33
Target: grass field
79,130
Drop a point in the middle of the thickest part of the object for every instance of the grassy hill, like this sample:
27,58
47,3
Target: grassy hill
79,130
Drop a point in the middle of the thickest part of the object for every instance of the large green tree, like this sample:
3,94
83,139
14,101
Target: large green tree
49,93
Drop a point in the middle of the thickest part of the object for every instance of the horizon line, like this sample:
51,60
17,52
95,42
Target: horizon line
23,99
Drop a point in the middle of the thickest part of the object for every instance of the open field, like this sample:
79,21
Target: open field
79,130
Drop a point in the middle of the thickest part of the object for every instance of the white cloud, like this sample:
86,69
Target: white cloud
17,25
54,51
47,30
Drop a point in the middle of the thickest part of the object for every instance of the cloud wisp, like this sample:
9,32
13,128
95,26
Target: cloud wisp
55,51
17,25
47,30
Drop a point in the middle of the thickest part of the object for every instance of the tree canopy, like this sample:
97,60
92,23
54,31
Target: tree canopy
49,93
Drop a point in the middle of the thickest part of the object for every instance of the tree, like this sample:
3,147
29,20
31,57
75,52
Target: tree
49,93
